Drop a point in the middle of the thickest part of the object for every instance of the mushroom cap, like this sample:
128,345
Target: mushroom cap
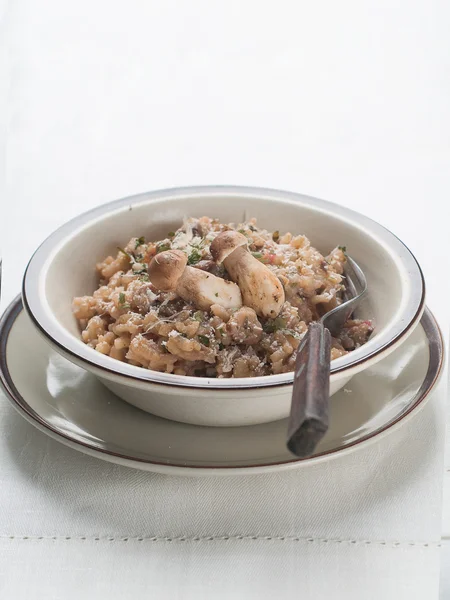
225,244
166,268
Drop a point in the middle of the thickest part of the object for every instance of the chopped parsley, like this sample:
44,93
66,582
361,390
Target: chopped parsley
276,236
261,256
199,244
204,340
221,346
216,294
252,228
139,242
127,254
194,257
142,272
171,234
272,325
162,247
123,301
198,315
342,248
293,333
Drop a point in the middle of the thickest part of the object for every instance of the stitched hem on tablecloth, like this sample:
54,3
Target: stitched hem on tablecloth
212,538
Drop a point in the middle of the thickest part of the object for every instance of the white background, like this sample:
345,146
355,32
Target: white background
346,101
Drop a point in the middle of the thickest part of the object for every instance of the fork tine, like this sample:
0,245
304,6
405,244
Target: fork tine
355,289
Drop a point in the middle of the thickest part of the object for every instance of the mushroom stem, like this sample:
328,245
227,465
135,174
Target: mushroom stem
260,287
168,271
205,289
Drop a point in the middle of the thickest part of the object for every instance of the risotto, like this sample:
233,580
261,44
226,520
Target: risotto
215,300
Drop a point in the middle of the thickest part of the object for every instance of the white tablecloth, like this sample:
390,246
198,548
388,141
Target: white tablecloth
345,101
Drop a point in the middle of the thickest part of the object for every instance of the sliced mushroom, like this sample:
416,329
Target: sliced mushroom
169,272
261,289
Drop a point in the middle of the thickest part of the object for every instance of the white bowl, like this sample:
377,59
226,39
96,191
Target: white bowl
63,267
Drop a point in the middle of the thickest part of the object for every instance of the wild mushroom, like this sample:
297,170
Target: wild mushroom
261,289
169,272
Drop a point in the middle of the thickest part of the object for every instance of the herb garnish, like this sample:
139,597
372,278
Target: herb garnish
272,325
139,242
142,274
261,256
293,333
123,301
194,257
127,254
342,248
204,340
162,247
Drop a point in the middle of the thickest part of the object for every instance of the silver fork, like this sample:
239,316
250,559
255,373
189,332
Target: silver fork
308,421
355,290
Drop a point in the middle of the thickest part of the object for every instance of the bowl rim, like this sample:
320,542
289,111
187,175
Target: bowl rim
76,350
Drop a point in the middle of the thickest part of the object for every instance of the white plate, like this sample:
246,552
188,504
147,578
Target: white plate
73,407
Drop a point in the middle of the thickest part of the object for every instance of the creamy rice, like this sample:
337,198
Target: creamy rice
131,320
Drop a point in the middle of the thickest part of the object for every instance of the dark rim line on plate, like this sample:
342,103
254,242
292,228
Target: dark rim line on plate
158,193
436,359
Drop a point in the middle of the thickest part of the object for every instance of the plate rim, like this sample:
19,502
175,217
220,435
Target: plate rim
432,376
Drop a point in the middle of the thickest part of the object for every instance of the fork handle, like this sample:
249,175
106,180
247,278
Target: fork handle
308,421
